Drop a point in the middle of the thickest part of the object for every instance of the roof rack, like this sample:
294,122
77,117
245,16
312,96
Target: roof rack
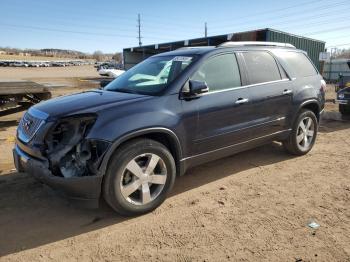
254,43
194,47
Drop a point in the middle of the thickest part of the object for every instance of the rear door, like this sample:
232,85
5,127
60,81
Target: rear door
271,92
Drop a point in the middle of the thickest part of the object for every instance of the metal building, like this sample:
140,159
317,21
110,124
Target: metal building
334,67
313,47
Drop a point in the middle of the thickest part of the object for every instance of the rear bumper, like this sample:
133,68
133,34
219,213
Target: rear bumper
84,190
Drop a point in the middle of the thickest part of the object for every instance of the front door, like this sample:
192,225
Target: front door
225,112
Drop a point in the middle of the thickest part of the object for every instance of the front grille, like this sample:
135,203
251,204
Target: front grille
28,126
347,95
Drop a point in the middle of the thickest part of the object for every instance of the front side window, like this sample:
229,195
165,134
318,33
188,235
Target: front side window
150,76
220,72
261,67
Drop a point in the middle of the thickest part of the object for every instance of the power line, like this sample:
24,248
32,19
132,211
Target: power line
319,22
267,12
63,31
308,19
328,30
130,36
72,31
339,45
305,23
63,22
302,23
113,28
109,14
177,26
291,14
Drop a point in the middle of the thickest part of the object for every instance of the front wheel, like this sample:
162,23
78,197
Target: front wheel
139,176
303,134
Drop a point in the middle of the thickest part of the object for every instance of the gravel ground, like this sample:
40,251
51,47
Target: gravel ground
253,206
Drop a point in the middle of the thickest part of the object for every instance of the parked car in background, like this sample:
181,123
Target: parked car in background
110,72
173,111
343,94
110,69
20,64
33,64
58,64
44,64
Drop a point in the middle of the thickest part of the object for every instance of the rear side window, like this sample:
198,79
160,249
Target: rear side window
220,72
299,63
261,67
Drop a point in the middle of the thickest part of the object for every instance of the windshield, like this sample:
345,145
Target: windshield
150,76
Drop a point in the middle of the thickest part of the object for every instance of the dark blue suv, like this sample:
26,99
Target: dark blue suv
173,111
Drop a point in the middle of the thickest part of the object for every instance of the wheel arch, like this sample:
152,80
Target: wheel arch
312,105
162,135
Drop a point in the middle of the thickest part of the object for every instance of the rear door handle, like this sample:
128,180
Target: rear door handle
287,92
241,101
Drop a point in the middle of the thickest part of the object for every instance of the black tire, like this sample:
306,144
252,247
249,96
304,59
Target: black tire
291,144
116,173
344,109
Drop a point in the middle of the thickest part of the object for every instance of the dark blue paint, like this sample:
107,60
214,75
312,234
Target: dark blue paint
201,129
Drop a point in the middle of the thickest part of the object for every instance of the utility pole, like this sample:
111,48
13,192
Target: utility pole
330,62
205,29
139,28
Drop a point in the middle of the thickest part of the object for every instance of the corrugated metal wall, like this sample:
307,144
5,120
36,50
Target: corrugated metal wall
312,47
132,56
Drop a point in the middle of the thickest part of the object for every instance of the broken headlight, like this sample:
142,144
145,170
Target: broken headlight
69,153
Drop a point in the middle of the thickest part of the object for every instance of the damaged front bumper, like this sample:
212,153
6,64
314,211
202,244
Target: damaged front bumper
85,190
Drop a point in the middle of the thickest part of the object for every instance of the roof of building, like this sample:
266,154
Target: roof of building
214,40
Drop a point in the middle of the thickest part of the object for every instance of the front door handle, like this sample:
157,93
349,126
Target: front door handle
287,92
241,101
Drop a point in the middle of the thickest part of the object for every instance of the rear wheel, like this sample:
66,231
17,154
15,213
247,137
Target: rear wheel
303,134
344,109
139,177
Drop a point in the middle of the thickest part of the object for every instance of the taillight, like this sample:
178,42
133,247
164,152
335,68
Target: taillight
323,86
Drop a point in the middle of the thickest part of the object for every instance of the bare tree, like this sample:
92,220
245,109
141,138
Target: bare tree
343,53
98,56
117,57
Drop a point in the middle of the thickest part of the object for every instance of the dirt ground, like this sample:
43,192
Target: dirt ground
253,206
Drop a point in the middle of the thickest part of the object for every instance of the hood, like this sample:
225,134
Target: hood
344,90
90,101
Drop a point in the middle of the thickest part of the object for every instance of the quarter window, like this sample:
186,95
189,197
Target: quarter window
261,67
219,73
299,62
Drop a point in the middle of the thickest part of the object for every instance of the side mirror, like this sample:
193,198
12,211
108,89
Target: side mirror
193,88
198,87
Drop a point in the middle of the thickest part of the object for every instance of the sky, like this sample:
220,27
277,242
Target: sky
110,26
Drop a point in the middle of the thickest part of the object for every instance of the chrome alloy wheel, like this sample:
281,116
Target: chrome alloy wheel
305,133
143,179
